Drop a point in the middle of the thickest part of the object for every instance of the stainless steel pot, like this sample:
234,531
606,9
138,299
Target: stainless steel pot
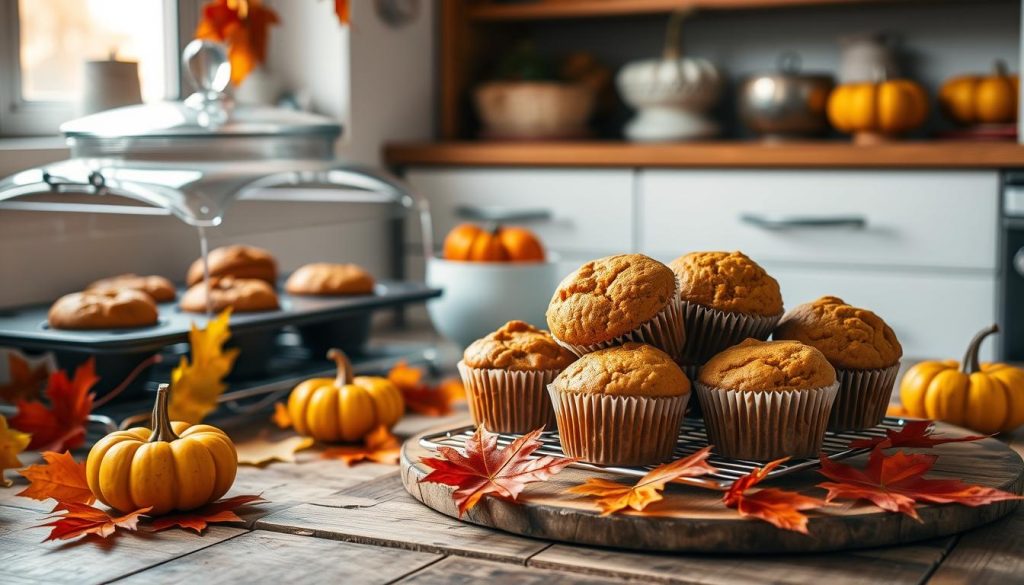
786,104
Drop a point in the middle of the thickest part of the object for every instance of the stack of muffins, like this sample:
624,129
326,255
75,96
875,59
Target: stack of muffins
642,331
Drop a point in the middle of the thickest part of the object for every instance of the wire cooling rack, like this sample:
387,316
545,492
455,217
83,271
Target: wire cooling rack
692,437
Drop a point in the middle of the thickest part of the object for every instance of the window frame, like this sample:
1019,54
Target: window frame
20,117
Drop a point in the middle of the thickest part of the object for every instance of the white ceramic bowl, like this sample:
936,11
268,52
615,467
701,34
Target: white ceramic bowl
479,297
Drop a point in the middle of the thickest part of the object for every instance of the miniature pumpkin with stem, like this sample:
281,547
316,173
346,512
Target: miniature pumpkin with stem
468,242
344,408
174,466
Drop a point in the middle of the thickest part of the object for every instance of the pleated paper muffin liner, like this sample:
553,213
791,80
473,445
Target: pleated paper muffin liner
509,401
863,398
618,430
709,331
768,424
664,331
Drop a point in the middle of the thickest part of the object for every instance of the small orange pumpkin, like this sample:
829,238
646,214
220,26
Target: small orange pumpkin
980,99
468,242
874,111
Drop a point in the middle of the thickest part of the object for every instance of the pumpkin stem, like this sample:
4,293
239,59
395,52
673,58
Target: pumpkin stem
161,421
673,34
344,366
970,364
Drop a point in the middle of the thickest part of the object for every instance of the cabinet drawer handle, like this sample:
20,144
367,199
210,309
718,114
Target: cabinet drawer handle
503,214
786,222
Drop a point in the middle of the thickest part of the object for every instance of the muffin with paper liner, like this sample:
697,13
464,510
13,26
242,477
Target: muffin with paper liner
506,374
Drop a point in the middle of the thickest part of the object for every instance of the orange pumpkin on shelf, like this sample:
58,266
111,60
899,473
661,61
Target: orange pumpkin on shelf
874,112
470,243
981,99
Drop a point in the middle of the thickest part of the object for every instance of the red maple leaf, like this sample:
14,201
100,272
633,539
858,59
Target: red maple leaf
343,9
896,483
61,478
24,380
780,508
72,520
213,513
485,469
915,433
61,426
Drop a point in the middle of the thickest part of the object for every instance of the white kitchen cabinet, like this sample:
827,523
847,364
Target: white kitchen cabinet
589,211
934,219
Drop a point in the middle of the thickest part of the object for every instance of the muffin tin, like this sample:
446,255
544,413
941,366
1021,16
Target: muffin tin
118,351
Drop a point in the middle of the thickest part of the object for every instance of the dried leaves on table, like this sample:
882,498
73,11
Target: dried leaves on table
213,513
380,446
12,442
613,496
781,508
60,478
896,483
61,425
71,520
486,469
421,397
263,449
25,381
198,384
914,433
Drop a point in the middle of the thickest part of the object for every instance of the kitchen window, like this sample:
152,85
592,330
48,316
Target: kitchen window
44,44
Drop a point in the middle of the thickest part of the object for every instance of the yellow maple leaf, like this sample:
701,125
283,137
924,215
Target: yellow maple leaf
264,449
12,442
196,386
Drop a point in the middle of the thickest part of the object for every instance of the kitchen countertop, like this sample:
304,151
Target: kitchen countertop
723,154
329,522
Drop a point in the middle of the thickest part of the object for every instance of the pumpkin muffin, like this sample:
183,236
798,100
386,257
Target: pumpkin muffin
323,278
621,405
237,261
157,287
506,375
863,349
613,300
763,400
727,297
113,309
243,295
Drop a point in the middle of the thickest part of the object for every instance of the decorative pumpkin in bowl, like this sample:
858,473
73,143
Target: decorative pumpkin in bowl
981,99
985,397
344,408
876,112
468,242
175,466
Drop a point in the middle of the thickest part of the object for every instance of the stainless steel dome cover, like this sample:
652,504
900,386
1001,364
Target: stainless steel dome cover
208,125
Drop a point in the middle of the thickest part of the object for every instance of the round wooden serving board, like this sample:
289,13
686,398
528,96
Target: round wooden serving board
694,520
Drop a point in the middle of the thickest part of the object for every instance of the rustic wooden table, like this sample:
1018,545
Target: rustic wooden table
330,523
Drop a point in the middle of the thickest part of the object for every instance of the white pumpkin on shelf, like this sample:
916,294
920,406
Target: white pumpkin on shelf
672,95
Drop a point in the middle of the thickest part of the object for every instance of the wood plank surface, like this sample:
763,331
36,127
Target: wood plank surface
991,555
821,154
24,558
382,513
466,571
269,557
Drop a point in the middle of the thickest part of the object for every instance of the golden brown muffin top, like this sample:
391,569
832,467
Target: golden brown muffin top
241,294
768,365
324,278
517,345
116,309
238,261
727,281
632,369
609,297
158,287
849,337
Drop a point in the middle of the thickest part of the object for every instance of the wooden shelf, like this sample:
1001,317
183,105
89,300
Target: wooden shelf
543,10
821,154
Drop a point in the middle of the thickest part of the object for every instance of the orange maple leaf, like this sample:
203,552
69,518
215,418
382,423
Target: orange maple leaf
420,397
343,9
242,25
915,433
896,483
73,520
62,425
780,508
61,478
485,469
614,496
379,446
212,513
281,418
25,380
